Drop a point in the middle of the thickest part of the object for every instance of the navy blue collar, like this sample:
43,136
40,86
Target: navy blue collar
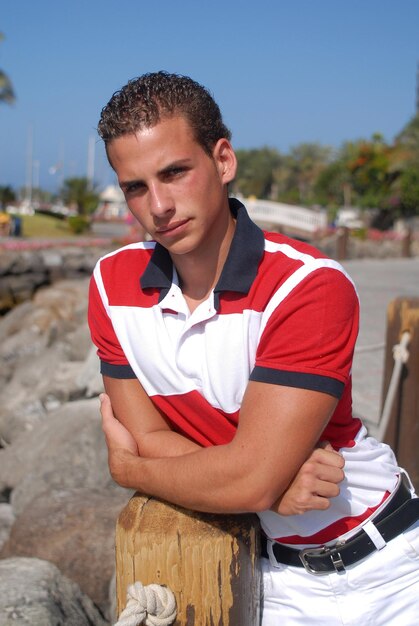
239,270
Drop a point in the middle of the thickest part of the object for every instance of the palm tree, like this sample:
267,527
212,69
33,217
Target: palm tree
7,94
78,192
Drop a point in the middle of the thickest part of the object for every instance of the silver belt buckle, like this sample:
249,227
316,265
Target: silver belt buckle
334,555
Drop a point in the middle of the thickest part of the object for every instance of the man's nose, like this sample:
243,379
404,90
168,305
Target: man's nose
161,202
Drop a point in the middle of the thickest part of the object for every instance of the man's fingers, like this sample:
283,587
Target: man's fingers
327,456
105,406
327,489
329,473
318,503
117,436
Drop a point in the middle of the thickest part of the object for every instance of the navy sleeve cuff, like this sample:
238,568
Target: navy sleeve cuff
116,371
301,380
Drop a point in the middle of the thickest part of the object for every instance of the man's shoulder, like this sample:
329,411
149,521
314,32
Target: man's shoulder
118,275
289,266
127,258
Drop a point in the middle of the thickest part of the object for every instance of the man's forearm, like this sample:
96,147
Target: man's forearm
316,482
165,443
208,480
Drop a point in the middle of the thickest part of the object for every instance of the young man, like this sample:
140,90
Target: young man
226,354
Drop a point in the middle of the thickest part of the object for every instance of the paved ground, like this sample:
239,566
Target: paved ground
378,282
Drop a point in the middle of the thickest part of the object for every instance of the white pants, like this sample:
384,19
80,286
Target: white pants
380,590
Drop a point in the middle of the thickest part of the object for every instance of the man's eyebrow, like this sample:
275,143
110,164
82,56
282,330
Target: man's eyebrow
171,166
127,183
165,170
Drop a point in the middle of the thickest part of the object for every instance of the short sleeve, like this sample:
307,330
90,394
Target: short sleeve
309,338
112,358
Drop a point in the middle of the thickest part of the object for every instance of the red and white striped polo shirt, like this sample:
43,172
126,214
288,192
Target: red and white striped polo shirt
280,313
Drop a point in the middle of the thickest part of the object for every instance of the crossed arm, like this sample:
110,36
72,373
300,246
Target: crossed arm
264,466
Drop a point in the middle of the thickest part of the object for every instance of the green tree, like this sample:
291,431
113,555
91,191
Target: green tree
409,191
7,94
296,178
7,195
306,162
406,157
332,186
409,137
371,172
79,193
256,172
335,185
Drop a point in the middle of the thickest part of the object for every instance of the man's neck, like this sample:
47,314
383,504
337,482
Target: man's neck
199,273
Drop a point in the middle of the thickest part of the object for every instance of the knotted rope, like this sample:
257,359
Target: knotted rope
401,356
151,605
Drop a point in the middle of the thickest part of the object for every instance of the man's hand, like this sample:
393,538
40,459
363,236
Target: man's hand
315,483
121,444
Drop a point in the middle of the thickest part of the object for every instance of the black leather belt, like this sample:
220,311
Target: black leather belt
400,513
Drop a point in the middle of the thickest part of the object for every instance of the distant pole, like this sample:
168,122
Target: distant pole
91,160
347,190
61,159
29,165
342,243
36,168
417,90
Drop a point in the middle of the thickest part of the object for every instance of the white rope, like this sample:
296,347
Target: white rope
151,605
401,356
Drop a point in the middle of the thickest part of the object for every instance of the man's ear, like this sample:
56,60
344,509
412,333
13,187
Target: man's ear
225,160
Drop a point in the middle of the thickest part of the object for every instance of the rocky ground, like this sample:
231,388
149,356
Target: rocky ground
58,503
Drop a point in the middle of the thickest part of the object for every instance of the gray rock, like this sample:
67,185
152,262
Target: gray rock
65,300
53,313
35,593
29,342
26,262
65,451
72,528
79,342
6,263
112,611
23,286
89,376
37,378
52,257
13,321
7,519
42,353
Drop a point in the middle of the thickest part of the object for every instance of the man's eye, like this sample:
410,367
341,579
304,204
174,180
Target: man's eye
176,171
133,188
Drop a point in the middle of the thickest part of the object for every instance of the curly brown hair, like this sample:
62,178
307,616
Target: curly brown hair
145,100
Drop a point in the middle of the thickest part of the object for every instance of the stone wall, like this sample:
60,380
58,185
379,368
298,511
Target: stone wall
23,271
58,503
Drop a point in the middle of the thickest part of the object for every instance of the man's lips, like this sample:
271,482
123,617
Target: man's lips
161,230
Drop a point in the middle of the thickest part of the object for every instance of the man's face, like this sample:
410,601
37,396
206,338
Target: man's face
173,187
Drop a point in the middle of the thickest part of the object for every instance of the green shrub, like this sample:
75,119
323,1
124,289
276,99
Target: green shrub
78,224
360,233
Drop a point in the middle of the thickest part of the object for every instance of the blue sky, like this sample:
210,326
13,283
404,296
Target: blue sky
283,71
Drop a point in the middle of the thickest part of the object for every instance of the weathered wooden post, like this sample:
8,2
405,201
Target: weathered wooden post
407,243
402,432
210,562
342,243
